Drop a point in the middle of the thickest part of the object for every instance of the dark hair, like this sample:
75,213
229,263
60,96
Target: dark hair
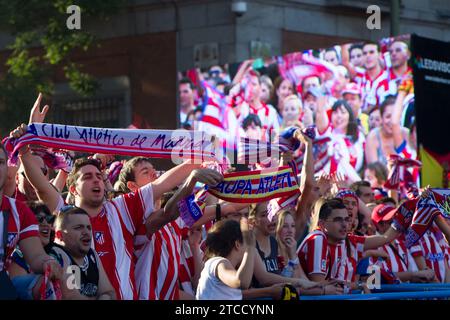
188,81
332,49
311,76
251,118
127,173
222,238
38,206
80,163
328,206
356,185
375,108
372,43
352,127
276,85
380,170
355,46
63,214
387,200
388,101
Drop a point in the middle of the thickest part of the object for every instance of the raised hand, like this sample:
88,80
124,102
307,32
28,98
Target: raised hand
19,131
247,233
207,176
36,115
291,246
286,157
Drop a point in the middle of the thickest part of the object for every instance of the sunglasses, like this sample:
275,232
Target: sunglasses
67,208
49,219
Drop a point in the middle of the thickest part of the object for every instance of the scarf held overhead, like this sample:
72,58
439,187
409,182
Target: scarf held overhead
150,143
256,186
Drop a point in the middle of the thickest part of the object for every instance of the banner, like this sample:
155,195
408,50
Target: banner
256,186
180,144
431,71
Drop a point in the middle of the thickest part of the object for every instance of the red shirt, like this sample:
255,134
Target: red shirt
336,261
22,224
113,230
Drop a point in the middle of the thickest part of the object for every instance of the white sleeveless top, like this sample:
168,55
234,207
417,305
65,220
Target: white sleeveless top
211,288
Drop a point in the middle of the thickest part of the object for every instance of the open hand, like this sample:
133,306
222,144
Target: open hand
36,115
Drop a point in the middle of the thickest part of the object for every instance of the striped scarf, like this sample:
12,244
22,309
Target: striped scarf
175,144
243,187
414,217
397,173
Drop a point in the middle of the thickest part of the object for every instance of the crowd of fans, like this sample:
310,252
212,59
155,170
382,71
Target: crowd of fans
108,229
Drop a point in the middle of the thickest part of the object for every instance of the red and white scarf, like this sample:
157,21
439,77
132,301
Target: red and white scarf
179,144
416,216
397,173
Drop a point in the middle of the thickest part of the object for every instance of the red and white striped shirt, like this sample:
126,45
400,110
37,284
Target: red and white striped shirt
374,91
394,80
267,115
400,258
359,75
158,263
22,224
113,230
318,256
345,256
433,248
314,254
187,264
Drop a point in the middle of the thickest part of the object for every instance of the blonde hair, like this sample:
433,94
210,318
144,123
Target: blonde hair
281,218
294,98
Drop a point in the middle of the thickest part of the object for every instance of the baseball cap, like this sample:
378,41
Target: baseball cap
352,88
316,92
383,212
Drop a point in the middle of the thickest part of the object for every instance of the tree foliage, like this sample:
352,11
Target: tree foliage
43,44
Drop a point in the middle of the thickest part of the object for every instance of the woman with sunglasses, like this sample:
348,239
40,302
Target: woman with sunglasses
20,272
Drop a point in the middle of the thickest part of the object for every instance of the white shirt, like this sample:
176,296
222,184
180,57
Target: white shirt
211,288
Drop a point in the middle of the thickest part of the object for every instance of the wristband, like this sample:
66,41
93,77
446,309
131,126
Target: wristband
218,212
293,263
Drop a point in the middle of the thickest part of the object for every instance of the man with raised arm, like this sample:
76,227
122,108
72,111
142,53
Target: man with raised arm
114,222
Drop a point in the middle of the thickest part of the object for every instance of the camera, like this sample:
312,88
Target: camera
239,8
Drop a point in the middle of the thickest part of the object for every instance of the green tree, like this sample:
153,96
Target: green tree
42,45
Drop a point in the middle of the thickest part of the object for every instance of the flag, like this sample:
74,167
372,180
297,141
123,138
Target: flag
416,221
397,174
297,66
218,118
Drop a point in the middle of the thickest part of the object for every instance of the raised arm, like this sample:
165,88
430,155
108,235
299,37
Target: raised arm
10,184
209,213
374,242
322,121
170,212
307,185
243,68
45,191
371,148
242,277
172,178
60,181
345,56
396,117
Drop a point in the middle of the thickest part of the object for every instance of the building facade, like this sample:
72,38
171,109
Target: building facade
142,48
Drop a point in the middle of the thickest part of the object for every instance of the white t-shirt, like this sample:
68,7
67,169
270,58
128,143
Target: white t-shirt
211,288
